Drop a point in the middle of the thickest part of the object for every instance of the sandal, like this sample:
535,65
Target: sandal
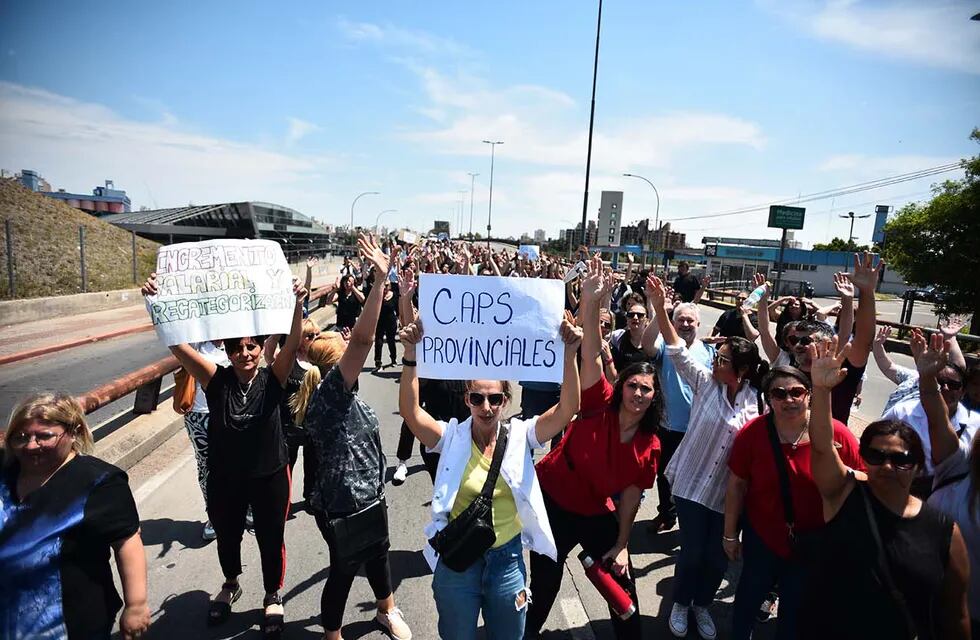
219,611
274,623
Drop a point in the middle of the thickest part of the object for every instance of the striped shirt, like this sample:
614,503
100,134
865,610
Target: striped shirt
698,471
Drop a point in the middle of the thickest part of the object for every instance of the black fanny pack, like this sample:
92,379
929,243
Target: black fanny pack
469,535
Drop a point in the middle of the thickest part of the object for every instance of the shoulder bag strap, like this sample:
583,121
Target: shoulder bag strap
783,473
884,570
498,457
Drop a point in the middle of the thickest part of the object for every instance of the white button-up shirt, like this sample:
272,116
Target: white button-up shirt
698,471
965,424
517,470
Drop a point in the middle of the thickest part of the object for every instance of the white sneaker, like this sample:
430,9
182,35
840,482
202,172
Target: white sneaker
208,534
706,626
394,623
401,473
678,620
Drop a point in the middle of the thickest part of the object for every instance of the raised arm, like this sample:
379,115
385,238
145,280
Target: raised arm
426,428
829,472
657,296
362,335
648,341
199,367
751,333
865,278
845,288
950,328
769,345
283,363
552,421
593,290
931,357
705,281
885,364
406,289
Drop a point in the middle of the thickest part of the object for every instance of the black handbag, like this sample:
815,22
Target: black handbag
470,534
362,535
806,547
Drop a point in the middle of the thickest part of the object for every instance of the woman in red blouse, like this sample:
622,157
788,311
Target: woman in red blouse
754,500
610,451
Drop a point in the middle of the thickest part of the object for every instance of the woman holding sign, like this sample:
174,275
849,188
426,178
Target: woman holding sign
487,504
247,458
610,451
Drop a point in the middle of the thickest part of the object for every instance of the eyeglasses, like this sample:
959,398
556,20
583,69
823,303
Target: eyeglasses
799,340
952,385
44,440
477,399
899,459
312,336
636,314
796,393
605,325
721,358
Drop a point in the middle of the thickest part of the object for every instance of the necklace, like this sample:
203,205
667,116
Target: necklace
796,443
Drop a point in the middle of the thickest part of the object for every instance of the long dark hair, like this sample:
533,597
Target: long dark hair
342,292
745,357
651,420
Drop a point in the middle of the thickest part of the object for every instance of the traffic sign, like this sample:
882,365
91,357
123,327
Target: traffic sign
710,250
786,217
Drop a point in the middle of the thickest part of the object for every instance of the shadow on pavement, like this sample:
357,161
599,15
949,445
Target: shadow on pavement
185,616
165,532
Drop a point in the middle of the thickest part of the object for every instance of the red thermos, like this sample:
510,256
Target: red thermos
613,592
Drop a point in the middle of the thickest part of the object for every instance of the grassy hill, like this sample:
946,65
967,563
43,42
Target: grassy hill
46,256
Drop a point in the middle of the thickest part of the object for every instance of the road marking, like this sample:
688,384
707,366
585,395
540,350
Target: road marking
576,618
158,480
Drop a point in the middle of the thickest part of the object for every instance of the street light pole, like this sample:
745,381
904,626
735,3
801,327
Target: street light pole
588,157
462,205
656,219
850,214
493,145
378,219
366,193
472,182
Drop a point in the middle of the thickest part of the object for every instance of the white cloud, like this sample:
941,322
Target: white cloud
937,33
299,129
418,42
76,144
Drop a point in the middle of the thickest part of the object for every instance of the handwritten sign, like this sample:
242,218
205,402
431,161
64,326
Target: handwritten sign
221,289
529,251
490,328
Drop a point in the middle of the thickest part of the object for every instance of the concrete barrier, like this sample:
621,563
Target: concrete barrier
34,309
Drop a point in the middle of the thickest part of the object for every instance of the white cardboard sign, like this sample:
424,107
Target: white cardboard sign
490,328
530,251
221,289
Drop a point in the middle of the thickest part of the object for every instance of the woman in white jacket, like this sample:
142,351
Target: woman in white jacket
496,582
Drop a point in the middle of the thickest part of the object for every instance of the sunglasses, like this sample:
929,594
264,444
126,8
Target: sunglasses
952,385
799,340
495,399
636,314
796,393
900,459
44,440
605,325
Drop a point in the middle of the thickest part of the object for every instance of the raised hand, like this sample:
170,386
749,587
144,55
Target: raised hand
299,291
952,325
843,284
411,334
866,274
882,335
407,283
593,284
149,287
371,251
311,262
934,357
757,281
570,335
825,370
705,281
656,291
917,343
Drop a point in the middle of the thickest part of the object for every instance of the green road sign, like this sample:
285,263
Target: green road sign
786,217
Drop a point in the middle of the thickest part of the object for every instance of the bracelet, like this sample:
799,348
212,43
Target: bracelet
727,539
409,363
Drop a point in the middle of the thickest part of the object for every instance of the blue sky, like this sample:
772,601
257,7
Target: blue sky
720,104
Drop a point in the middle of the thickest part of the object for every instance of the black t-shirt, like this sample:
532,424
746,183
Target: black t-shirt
54,568
687,285
245,435
730,324
348,308
444,399
624,352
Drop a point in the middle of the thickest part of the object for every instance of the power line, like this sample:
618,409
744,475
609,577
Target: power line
834,193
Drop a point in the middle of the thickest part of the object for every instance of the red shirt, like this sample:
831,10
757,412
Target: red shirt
752,460
601,465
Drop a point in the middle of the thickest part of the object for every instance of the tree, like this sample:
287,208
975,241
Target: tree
937,242
838,244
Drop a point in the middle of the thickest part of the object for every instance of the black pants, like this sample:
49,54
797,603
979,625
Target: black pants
405,440
669,441
385,332
597,535
337,589
309,464
229,497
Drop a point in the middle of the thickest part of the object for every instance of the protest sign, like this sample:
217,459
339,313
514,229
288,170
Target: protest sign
221,289
407,237
529,251
490,328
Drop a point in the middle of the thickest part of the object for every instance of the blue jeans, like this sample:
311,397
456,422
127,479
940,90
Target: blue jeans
702,561
761,569
494,583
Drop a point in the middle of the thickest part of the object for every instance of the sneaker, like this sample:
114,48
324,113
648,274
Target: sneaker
249,522
377,366
706,626
401,473
662,522
208,534
394,623
678,620
769,607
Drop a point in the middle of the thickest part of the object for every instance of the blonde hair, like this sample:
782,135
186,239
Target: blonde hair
323,353
57,408
309,326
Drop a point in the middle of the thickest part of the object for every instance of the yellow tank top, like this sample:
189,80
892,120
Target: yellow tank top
506,523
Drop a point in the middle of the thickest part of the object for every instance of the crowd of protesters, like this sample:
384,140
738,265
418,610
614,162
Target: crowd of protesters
744,434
